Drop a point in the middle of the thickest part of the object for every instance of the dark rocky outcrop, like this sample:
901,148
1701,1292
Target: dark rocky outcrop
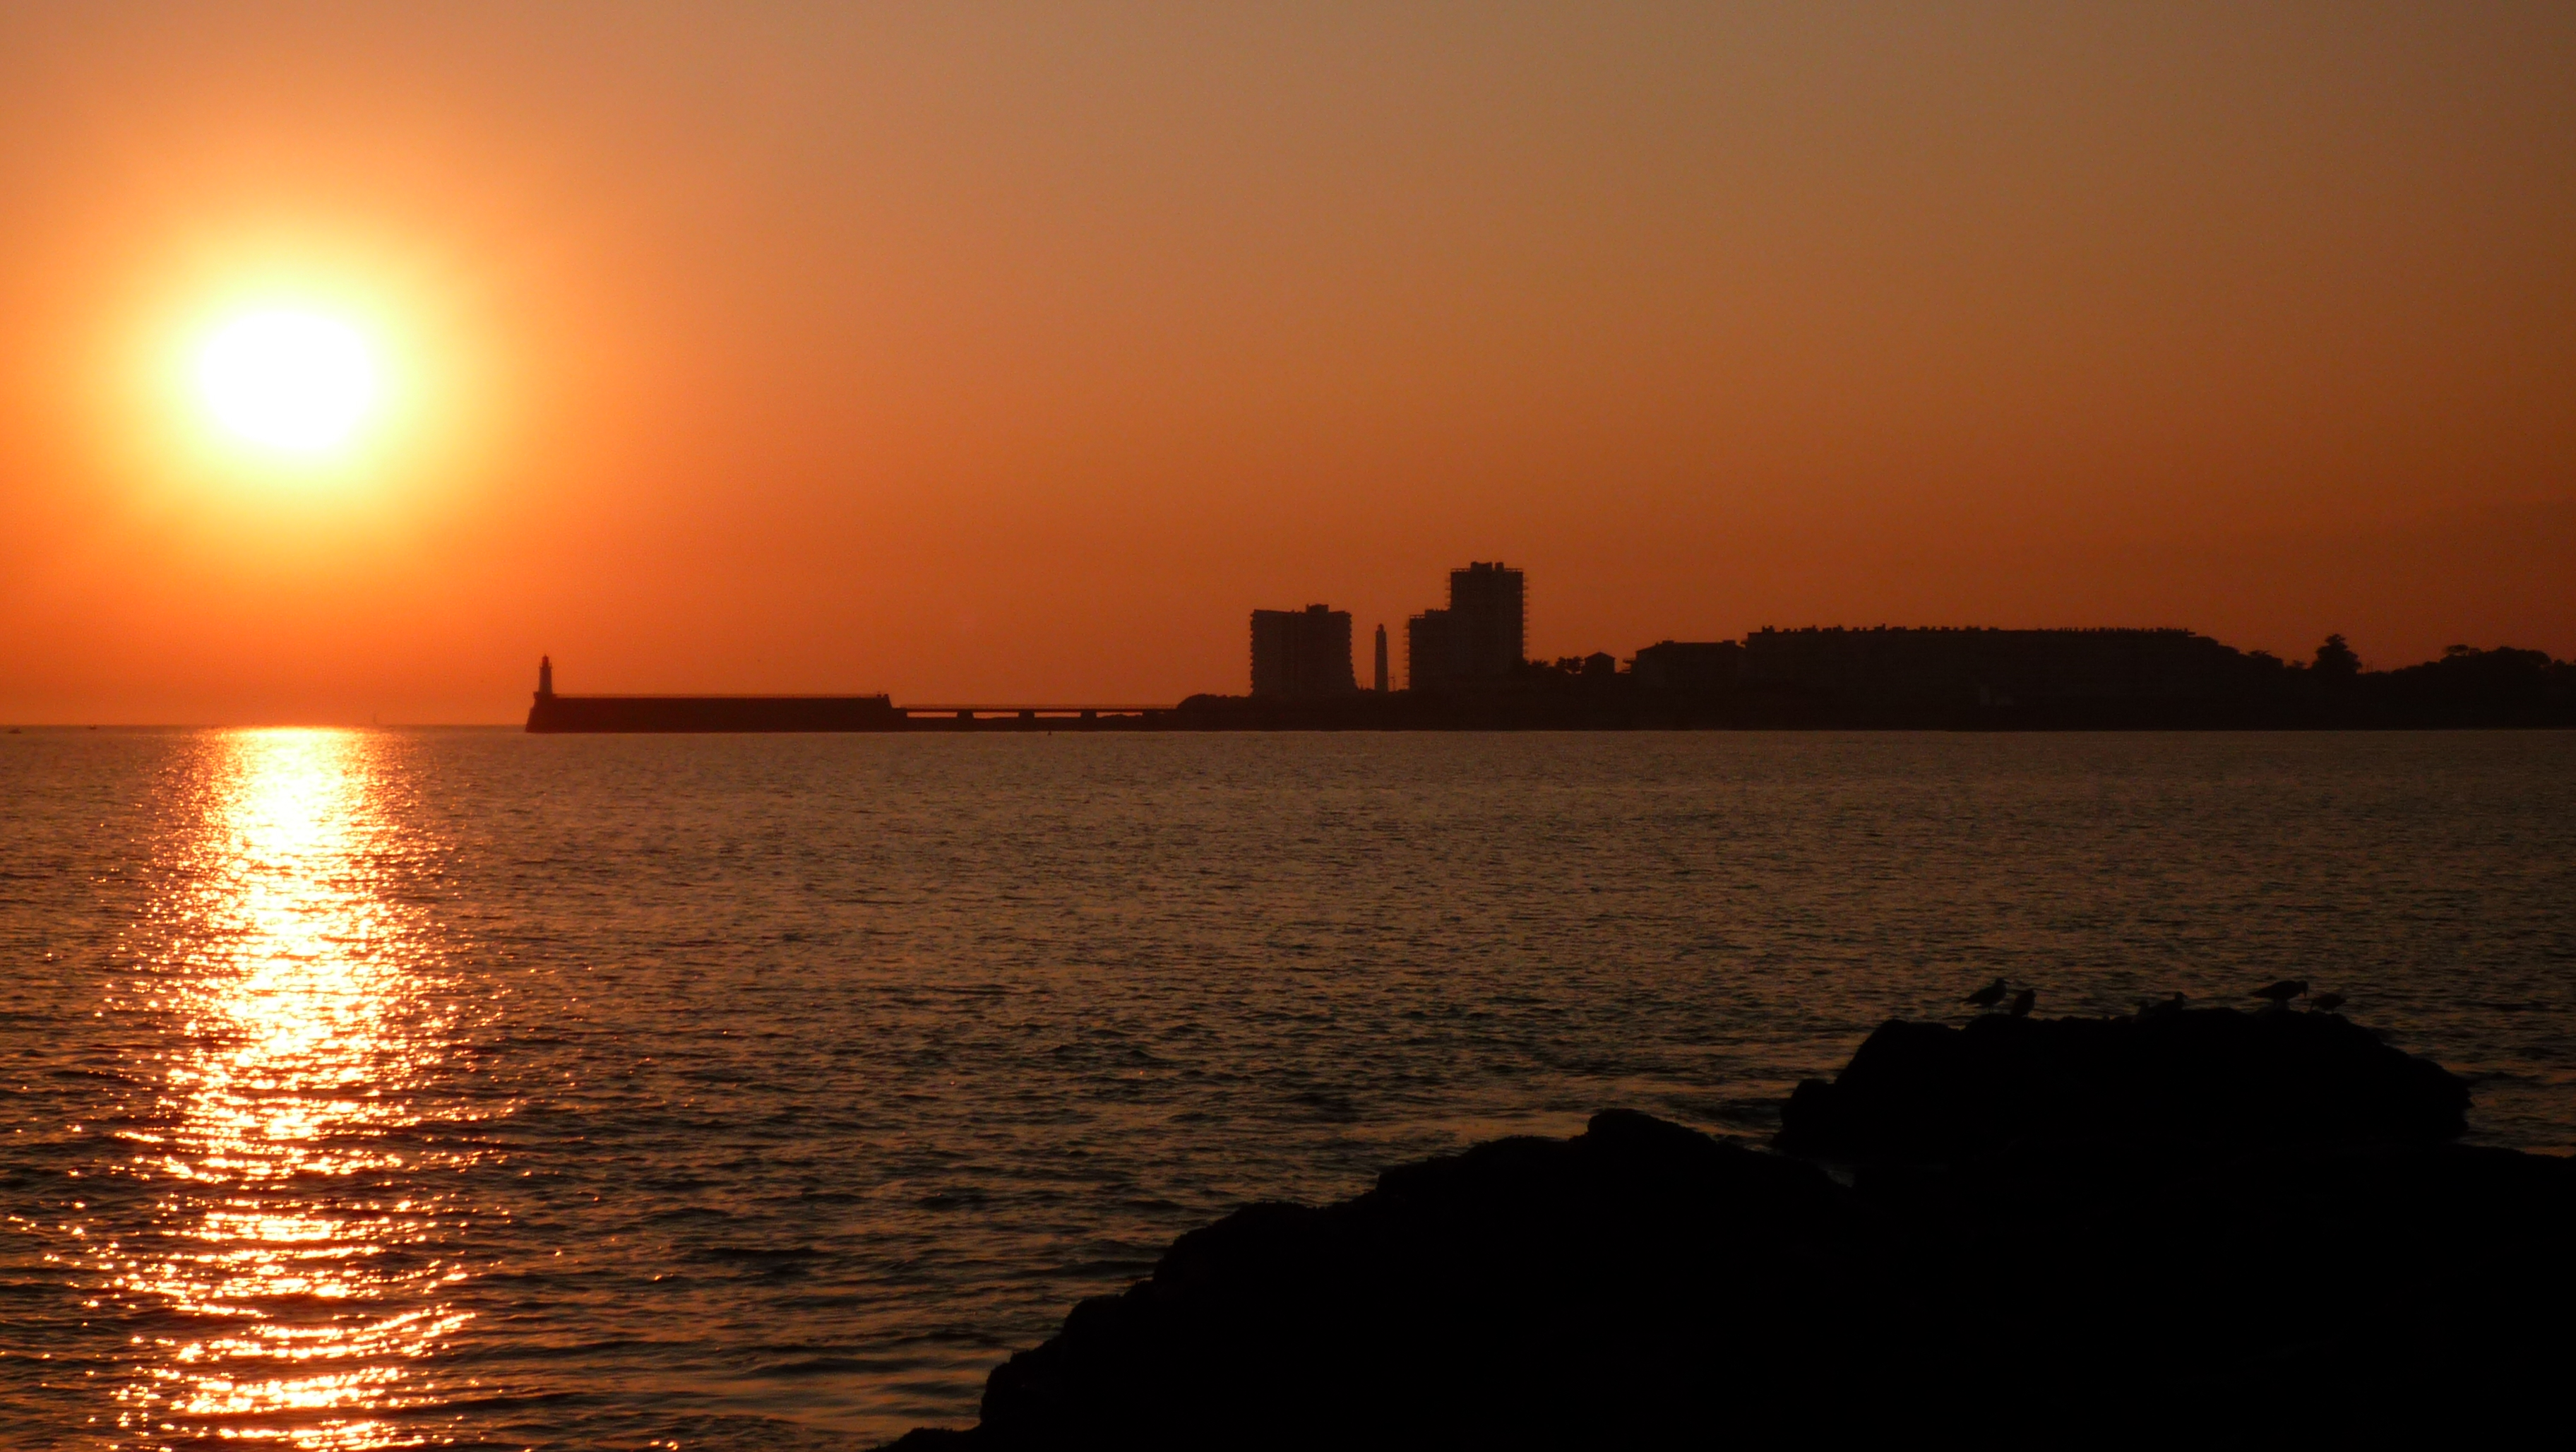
1526,1289
2051,1232
1927,1092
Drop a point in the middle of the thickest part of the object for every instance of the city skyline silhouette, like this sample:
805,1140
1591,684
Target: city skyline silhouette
991,727
975,358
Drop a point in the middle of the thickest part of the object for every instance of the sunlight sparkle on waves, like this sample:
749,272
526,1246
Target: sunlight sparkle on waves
299,1030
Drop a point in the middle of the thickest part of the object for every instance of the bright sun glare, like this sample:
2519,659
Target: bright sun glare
290,380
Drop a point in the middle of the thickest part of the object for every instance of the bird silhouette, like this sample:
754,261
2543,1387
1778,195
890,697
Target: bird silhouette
2022,1001
2327,1002
2159,1010
2282,992
1988,996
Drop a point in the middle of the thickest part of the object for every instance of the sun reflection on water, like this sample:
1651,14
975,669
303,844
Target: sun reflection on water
303,1023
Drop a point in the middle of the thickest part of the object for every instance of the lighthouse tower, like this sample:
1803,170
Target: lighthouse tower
545,677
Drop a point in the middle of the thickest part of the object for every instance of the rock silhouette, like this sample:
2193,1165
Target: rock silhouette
2226,1231
1927,1092
1524,1289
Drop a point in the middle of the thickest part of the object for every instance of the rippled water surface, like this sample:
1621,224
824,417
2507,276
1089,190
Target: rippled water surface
470,1088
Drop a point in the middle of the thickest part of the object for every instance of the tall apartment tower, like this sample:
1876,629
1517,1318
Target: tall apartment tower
1302,654
1381,660
1481,635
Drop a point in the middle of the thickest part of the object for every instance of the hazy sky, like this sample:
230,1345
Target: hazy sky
1014,353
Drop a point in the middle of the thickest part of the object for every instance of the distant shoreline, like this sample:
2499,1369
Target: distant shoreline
1049,725
1544,710
1880,679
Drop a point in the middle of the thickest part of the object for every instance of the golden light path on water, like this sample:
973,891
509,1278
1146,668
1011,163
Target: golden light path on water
302,1013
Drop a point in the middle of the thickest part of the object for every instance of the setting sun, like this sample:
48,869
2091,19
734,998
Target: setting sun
290,380
1540,721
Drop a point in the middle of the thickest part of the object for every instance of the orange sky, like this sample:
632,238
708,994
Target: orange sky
1016,353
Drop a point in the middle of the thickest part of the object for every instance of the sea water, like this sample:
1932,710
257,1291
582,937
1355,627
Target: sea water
374,1089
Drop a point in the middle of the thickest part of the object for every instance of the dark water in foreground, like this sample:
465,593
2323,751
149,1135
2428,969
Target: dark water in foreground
378,1089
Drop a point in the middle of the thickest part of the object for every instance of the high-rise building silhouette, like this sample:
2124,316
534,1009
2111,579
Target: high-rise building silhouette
1301,654
1381,660
1480,635
1426,651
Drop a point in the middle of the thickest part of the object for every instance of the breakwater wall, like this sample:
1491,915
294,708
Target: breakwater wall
679,714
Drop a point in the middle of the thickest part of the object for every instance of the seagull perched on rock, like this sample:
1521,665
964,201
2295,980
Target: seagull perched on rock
2022,1002
2282,992
1988,996
2326,1002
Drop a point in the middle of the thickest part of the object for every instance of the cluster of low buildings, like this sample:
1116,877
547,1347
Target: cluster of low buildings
1481,635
